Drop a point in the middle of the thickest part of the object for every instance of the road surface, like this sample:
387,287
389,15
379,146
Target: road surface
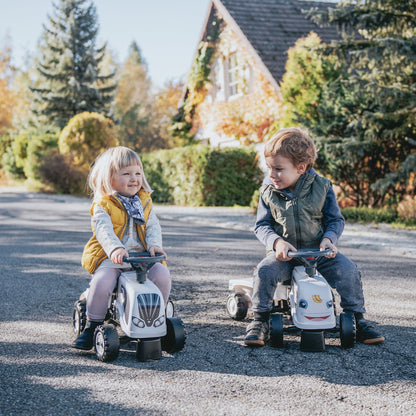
42,237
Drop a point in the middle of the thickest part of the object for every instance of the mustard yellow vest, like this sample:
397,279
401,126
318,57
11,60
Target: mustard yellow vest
94,254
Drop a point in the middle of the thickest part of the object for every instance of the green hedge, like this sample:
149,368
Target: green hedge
202,176
25,153
365,215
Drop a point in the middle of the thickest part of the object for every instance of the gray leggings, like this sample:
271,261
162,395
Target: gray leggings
340,272
103,283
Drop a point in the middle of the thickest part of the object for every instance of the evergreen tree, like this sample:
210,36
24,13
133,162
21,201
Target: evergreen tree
71,76
304,80
367,117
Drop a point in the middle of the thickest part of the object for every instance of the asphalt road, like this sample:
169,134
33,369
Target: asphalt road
42,238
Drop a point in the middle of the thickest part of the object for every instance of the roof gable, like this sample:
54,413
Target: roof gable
270,27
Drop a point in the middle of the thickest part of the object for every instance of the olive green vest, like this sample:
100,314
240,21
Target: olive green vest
299,218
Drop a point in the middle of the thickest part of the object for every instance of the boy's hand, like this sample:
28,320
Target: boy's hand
281,247
326,243
155,249
118,254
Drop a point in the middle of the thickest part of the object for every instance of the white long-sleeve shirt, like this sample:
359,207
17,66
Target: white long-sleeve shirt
104,231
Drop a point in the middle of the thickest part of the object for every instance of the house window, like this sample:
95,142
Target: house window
217,79
233,76
238,76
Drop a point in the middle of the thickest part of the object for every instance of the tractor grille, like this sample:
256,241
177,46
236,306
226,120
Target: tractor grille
149,307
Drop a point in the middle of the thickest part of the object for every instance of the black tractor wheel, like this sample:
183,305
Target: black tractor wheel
347,329
276,330
237,306
79,317
149,349
175,338
106,342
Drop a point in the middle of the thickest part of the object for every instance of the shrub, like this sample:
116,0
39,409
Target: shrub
39,145
57,172
19,148
365,214
231,177
5,143
202,176
23,156
406,210
175,175
85,136
156,176
37,148
8,163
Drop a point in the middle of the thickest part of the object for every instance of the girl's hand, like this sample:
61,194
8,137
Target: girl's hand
327,243
118,254
155,249
281,247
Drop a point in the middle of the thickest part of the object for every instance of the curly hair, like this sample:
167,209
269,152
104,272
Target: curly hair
294,144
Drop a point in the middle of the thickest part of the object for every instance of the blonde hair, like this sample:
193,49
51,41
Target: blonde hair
294,144
107,164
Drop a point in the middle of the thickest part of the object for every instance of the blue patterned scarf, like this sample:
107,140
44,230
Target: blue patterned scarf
133,206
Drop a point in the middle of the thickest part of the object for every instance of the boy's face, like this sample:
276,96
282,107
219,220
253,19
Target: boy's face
283,173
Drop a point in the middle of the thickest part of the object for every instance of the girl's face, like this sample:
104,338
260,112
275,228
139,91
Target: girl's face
283,173
128,181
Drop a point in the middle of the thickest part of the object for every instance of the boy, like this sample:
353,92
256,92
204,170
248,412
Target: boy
298,209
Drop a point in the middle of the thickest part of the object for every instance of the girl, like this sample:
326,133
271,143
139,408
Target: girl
122,220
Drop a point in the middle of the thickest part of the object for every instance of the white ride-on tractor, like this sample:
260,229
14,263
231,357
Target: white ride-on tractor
136,312
306,299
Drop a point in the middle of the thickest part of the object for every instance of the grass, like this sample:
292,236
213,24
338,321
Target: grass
365,215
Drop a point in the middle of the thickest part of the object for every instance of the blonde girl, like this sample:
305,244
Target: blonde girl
123,221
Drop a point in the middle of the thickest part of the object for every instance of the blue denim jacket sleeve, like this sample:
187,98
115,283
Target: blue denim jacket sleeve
264,227
333,222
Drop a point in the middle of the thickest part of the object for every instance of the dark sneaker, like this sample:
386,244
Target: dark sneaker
85,341
257,334
367,334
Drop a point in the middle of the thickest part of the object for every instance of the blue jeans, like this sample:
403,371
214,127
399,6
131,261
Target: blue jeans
340,272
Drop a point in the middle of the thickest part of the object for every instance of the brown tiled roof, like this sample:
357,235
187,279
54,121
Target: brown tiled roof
273,26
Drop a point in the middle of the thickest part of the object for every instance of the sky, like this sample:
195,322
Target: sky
167,31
